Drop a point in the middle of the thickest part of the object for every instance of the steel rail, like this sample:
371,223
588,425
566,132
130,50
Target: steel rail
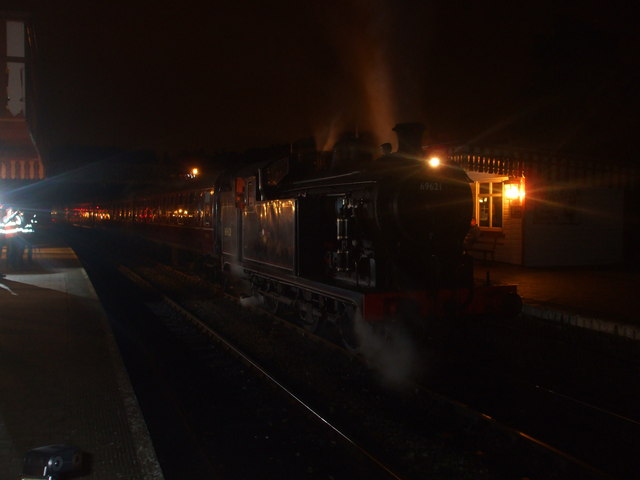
567,397
517,433
588,405
514,431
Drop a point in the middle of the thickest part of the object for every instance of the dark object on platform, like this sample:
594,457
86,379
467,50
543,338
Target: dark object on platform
485,244
51,462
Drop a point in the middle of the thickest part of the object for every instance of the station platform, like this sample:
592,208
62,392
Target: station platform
62,380
597,298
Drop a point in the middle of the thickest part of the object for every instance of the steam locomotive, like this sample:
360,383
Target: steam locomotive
334,239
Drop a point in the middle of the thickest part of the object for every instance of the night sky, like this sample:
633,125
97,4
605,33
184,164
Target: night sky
233,75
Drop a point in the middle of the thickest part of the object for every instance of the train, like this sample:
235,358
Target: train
337,238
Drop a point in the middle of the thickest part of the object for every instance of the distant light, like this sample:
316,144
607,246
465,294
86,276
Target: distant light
434,162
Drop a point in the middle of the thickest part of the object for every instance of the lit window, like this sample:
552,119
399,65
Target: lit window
489,204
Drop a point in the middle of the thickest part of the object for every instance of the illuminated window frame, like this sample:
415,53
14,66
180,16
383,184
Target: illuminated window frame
489,204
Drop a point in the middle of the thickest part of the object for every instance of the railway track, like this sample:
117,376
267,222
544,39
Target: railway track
233,418
534,455
405,433
378,468
587,421
601,439
367,460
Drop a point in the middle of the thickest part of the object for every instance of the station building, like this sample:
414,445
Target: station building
20,160
543,210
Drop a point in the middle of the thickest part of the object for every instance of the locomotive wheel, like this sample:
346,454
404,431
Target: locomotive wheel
309,310
226,279
347,329
309,321
270,304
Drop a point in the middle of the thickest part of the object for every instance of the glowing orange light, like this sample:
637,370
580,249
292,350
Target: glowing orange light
434,162
511,190
514,190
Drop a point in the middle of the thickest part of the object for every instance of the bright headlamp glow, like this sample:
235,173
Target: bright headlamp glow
434,162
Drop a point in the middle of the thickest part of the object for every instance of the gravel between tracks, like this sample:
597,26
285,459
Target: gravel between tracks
411,430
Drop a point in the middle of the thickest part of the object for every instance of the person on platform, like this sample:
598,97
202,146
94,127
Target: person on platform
11,227
3,240
472,234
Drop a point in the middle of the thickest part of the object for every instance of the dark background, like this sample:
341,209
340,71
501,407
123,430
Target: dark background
170,76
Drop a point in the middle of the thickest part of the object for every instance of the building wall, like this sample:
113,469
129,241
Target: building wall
14,66
573,227
573,212
511,251
560,223
20,160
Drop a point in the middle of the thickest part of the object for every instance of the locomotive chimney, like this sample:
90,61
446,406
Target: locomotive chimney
409,138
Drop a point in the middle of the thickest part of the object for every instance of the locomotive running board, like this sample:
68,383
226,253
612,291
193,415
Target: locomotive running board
313,287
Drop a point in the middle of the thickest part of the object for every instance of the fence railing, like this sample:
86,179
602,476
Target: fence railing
548,167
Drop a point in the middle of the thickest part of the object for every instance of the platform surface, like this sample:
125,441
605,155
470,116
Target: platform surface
596,298
62,380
